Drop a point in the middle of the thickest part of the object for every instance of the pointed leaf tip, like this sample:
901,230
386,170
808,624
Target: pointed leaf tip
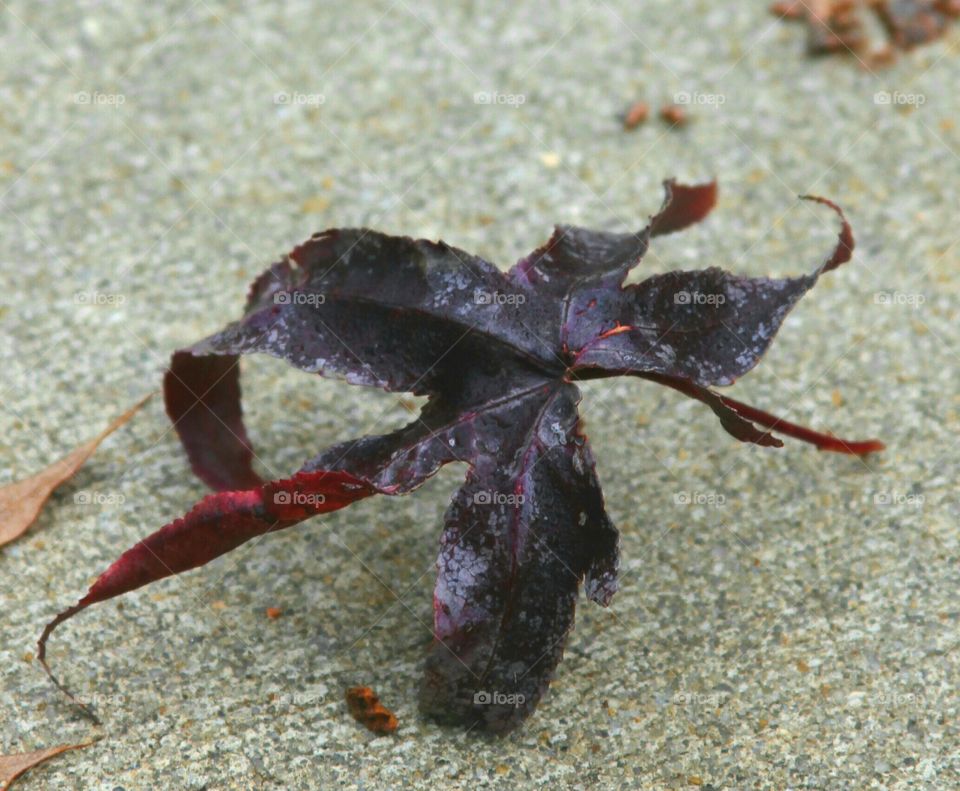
683,205
843,252
21,502
217,524
16,765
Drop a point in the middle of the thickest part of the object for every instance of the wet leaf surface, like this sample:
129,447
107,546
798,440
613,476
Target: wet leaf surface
499,355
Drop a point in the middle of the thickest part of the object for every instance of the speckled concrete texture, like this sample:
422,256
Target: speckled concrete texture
786,619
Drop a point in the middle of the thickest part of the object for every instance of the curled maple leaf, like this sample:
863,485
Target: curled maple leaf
499,355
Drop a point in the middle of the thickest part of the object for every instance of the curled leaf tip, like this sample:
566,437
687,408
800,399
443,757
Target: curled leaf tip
843,251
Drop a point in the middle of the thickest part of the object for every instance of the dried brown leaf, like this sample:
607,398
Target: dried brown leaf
22,501
13,766
839,26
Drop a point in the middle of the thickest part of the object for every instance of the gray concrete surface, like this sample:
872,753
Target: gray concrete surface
802,635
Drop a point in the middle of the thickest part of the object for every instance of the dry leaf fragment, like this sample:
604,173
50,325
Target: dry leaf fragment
13,766
367,709
839,26
22,501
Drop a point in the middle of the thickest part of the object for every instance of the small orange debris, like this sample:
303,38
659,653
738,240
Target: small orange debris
636,115
674,115
367,709
273,613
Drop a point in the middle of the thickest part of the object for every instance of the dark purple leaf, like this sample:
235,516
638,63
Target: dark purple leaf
523,531
498,354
